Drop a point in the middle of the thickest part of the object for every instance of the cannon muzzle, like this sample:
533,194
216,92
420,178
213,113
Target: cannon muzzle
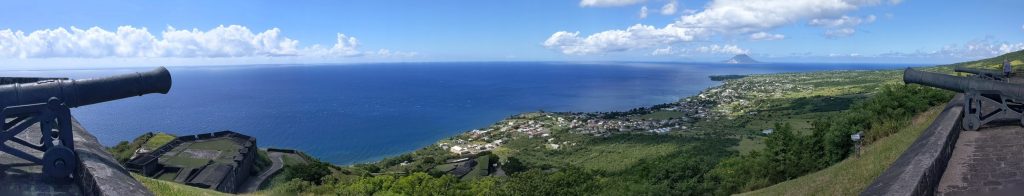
75,93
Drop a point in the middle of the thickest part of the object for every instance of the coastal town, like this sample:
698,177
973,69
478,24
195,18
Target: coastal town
658,119
734,97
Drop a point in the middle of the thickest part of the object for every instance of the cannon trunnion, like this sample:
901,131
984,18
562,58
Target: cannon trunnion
48,103
985,100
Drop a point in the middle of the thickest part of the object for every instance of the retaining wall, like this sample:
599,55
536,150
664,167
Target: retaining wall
919,169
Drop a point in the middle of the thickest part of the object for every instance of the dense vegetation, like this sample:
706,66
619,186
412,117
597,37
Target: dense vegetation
789,155
854,174
124,150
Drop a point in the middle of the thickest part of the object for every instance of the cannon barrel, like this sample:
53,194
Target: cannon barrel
75,93
985,72
962,84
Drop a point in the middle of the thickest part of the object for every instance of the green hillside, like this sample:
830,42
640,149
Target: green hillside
852,175
996,63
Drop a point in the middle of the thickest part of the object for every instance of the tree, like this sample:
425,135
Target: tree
310,172
513,165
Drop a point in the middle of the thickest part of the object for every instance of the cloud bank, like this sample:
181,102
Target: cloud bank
974,49
719,17
129,41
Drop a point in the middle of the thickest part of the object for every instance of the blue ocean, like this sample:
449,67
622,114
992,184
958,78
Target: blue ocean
356,113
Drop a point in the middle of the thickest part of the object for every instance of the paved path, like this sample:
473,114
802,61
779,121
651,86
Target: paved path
253,184
986,162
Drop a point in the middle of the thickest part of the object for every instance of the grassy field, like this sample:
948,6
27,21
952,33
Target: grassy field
610,154
748,144
852,175
480,170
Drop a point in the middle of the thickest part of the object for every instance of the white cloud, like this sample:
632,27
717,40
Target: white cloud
608,3
643,12
1022,27
974,49
635,37
841,26
719,17
766,36
669,8
129,42
344,46
837,33
844,21
388,53
745,16
713,49
721,49
979,48
663,51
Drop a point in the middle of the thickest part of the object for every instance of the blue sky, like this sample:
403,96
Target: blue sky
243,32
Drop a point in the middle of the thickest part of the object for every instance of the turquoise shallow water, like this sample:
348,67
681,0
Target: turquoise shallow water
364,112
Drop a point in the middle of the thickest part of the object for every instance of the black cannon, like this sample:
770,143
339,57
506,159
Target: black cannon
48,103
983,73
1006,97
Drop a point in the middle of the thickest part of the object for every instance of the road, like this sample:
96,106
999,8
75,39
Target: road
253,184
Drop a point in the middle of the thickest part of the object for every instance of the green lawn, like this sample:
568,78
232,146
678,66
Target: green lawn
158,139
610,154
749,143
852,175
292,159
444,167
221,144
480,170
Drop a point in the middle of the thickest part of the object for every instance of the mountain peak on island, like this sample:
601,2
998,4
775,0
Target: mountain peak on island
740,59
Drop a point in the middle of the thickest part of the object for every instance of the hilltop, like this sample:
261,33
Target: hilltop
740,59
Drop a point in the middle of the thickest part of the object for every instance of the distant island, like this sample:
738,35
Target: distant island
741,59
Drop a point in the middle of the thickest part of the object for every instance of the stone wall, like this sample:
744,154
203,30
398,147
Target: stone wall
919,169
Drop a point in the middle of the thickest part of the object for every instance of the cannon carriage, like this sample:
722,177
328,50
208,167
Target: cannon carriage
985,99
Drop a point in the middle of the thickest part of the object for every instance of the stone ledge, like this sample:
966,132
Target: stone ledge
919,169
100,173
